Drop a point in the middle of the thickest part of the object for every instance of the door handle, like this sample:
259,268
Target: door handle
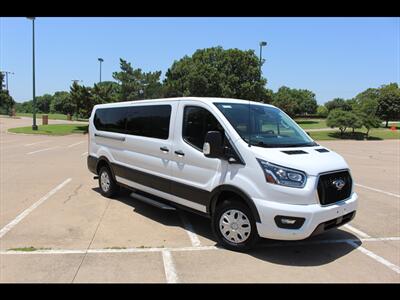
164,149
179,153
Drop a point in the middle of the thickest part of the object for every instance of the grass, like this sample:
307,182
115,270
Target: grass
55,129
51,116
27,249
374,134
311,123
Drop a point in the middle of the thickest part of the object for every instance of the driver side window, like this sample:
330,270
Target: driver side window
197,121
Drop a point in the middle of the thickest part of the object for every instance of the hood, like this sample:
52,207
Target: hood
306,159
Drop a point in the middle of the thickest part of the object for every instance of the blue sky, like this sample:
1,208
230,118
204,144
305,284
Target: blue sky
333,57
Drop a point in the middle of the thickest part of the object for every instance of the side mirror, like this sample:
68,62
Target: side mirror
212,146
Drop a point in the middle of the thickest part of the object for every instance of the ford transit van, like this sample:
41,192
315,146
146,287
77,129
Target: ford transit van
245,165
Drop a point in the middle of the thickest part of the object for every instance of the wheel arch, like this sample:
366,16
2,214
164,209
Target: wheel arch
227,191
104,161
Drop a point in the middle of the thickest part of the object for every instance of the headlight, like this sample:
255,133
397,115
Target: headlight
276,174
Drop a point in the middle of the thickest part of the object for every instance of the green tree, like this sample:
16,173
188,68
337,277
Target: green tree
43,103
322,111
338,103
295,101
216,72
6,101
62,103
136,85
366,110
105,92
389,103
342,119
82,99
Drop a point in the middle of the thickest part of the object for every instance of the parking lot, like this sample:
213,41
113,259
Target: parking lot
50,201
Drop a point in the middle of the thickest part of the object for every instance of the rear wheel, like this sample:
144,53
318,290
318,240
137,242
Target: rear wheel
107,184
234,225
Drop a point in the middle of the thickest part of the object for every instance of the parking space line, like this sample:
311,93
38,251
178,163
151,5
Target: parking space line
41,150
377,190
376,257
356,231
200,248
27,211
189,230
76,144
83,154
36,143
169,267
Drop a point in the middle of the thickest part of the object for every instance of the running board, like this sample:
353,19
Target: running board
152,202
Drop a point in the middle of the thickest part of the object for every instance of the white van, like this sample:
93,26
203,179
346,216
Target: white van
246,165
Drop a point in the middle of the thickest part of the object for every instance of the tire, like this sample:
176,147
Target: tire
108,187
240,237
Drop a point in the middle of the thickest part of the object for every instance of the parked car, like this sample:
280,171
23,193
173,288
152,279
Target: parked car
246,165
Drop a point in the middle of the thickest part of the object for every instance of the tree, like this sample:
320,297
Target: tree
105,92
338,103
342,119
6,101
322,111
82,99
43,103
367,112
389,103
62,103
295,101
216,72
135,84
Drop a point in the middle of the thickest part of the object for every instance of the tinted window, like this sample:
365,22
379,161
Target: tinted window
149,121
197,122
111,119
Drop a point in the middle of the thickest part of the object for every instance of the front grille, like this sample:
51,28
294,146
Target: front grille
328,190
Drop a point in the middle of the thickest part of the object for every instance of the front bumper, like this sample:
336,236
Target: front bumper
314,216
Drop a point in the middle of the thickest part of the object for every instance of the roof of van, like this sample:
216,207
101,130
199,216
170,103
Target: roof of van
200,99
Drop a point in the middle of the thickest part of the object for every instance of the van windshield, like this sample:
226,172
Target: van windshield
265,126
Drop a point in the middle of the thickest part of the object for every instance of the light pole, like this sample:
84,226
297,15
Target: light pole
100,60
7,72
34,126
262,44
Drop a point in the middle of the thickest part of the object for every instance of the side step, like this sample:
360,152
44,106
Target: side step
152,202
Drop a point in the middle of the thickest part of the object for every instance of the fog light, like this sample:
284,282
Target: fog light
289,222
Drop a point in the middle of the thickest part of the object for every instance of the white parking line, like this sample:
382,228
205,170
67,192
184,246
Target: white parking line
36,143
41,150
27,211
376,257
377,190
190,231
169,267
78,143
83,154
356,231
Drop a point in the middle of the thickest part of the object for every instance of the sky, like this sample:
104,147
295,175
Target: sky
333,57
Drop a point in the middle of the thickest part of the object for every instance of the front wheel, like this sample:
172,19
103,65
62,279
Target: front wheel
108,186
234,226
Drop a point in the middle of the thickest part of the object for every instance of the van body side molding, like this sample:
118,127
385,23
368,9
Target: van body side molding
118,138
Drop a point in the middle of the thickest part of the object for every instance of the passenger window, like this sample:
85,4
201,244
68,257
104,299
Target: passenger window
110,119
197,122
149,121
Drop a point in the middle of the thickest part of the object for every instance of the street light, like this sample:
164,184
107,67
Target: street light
34,126
100,60
262,44
7,72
